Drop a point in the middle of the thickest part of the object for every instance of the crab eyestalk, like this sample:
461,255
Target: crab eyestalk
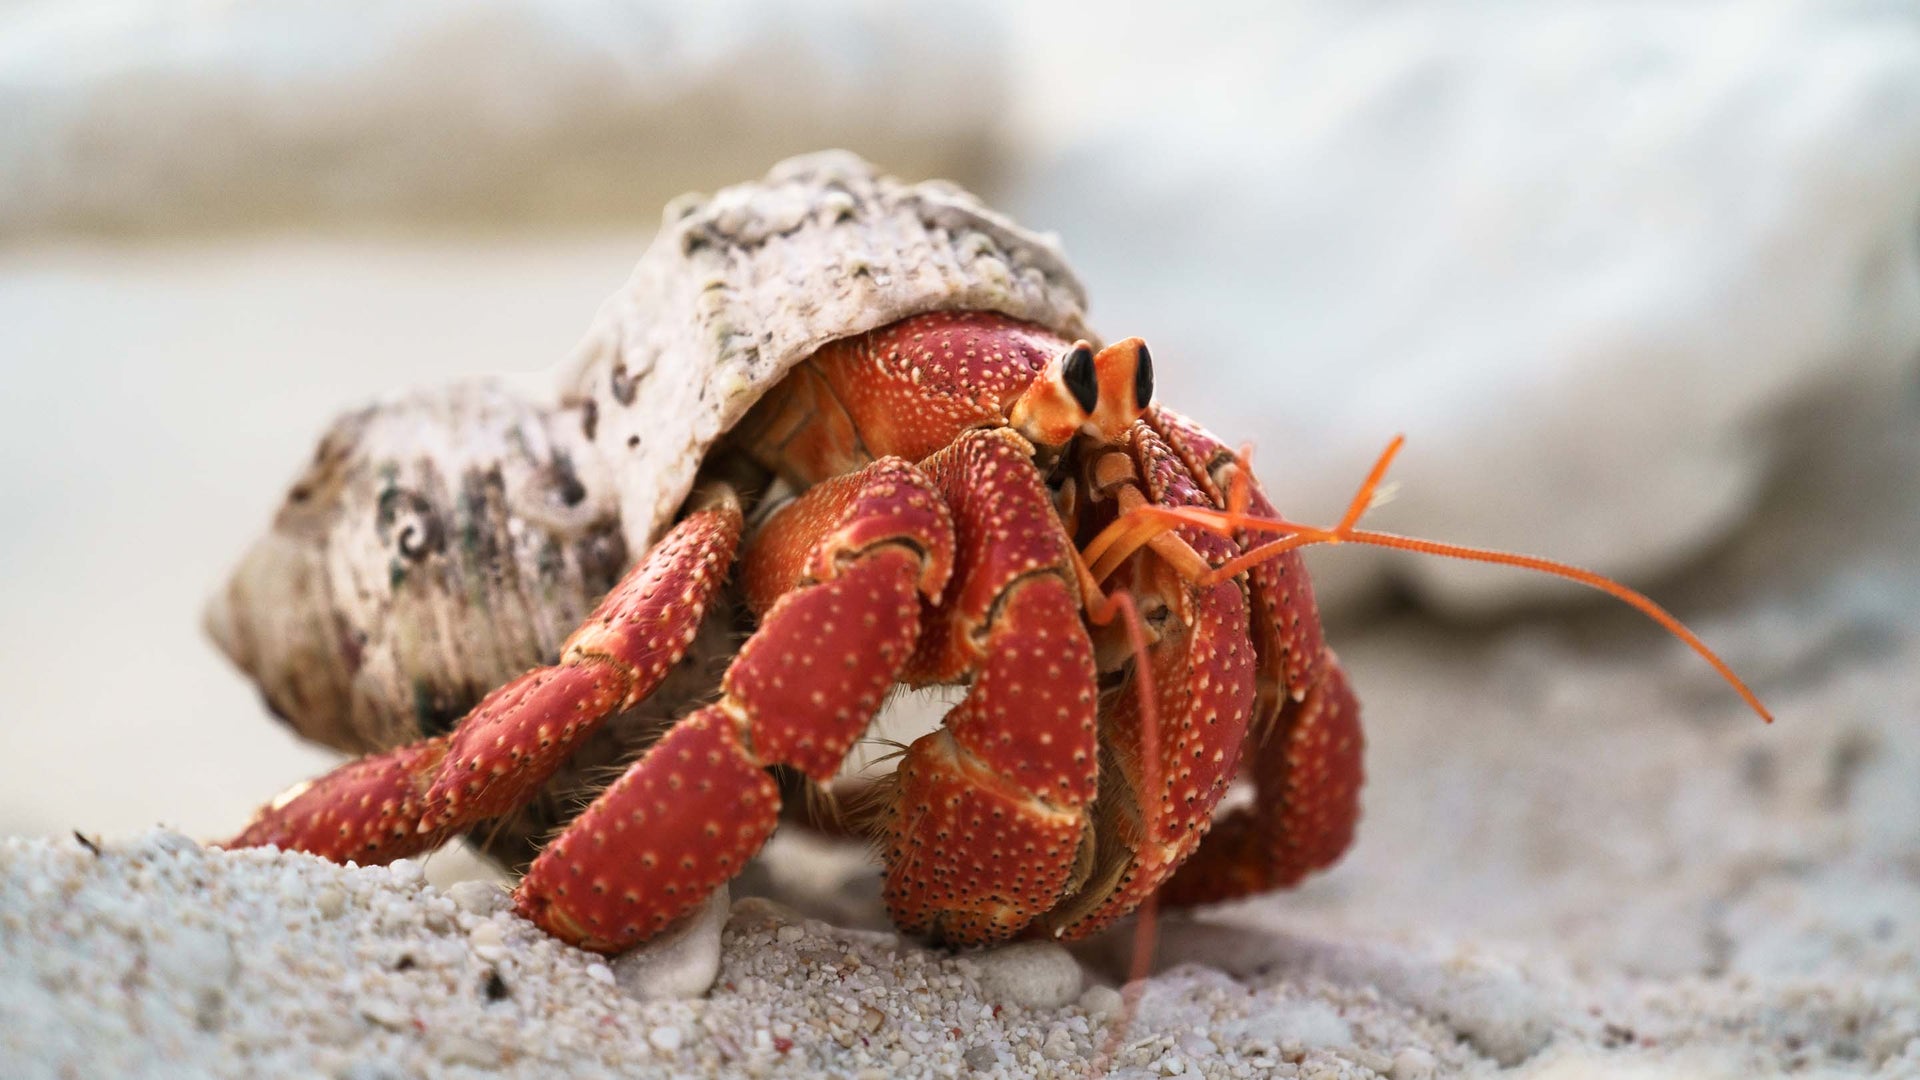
1099,395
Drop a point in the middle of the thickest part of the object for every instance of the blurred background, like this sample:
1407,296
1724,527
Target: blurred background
1639,281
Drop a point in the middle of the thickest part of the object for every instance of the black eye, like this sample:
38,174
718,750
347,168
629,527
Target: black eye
1143,378
1077,372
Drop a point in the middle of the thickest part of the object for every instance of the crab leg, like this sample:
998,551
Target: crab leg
991,812
840,576
1286,619
1306,760
1306,776
1169,763
387,806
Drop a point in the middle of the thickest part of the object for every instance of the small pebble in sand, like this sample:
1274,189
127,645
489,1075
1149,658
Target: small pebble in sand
665,1038
474,897
1412,1064
1030,974
682,961
384,1013
488,941
1102,1002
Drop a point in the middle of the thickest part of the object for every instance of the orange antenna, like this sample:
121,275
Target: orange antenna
1126,535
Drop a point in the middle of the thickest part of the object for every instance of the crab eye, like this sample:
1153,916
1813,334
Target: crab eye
1143,378
1076,370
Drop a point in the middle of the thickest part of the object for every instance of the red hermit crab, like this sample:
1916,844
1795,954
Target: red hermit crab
875,409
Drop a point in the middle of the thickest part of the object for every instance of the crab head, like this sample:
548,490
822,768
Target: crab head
1083,392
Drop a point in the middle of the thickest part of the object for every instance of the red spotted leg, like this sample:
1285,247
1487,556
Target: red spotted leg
1306,775
413,799
990,812
1172,758
1306,752
838,578
1286,619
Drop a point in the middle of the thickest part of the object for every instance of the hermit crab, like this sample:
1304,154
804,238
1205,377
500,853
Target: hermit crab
851,433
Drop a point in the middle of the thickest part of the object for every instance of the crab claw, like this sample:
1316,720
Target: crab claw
1171,753
1305,752
990,814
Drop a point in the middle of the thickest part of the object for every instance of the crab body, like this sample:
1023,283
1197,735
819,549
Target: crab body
930,542
909,468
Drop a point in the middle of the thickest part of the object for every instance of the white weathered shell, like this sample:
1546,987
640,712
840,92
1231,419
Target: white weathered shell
739,287
436,545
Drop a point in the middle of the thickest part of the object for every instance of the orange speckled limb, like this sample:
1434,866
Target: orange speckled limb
1306,761
990,812
1306,775
409,800
367,810
1286,619
1157,799
840,621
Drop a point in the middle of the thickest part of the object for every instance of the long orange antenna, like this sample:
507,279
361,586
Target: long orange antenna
1235,518
1362,498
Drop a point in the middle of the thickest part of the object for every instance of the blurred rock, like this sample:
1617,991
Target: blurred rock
165,116
1587,257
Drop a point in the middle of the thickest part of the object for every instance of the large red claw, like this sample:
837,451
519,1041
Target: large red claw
990,814
1306,760
1286,619
1177,754
1175,760
972,858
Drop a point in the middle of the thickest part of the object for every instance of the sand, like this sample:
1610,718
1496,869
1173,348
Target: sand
157,957
176,960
